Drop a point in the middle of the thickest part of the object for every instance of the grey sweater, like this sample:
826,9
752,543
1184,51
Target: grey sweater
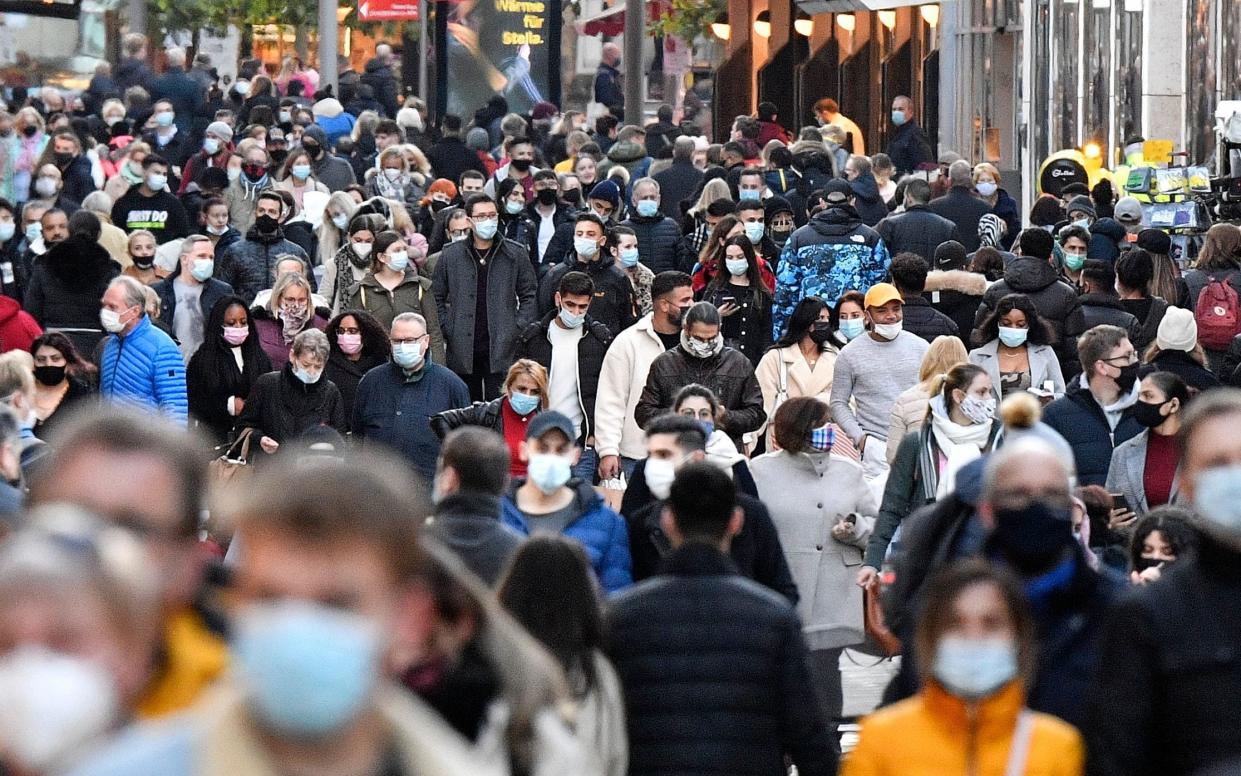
873,374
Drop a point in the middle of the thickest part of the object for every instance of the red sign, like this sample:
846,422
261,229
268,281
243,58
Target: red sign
388,10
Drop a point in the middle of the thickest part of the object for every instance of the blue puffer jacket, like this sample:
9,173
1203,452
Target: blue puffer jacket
145,368
601,532
832,254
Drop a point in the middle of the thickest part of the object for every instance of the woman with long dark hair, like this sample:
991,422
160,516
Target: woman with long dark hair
743,296
225,367
550,589
803,360
61,378
357,343
1017,352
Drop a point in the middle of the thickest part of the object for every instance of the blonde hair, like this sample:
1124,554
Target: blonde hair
16,373
284,283
716,188
944,353
129,243
526,367
1020,411
421,165
329,236
985,168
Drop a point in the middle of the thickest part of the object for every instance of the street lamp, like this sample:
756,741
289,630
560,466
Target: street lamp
888,19
930,15
721,28
803,24
762,24
847,21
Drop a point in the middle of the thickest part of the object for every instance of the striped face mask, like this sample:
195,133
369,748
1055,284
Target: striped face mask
821,438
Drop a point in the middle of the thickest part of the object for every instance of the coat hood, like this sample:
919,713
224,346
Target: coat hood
328,108
1108,227
836,220
9,308
316,133
810,155
866,188
79,263
1027,274
969,283
623,153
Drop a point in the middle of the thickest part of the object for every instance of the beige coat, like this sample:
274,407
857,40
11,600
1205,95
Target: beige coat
908,414
801,380
621,381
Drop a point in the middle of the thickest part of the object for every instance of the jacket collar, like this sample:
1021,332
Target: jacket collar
697,559
992,717
469,504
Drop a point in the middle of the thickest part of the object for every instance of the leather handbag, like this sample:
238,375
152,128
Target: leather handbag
234,464
876,629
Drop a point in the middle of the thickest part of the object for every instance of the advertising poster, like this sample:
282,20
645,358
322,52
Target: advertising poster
499,47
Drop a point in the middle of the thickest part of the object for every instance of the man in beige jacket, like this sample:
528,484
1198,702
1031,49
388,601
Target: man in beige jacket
619,442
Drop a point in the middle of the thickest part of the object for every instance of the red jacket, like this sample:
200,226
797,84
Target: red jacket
17,328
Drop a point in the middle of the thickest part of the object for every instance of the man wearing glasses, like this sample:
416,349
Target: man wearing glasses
1096,412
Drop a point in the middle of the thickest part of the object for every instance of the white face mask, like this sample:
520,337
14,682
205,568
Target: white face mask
362,249
52,707
888,331
659,473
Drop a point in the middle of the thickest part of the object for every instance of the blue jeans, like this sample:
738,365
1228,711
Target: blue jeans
628,465
587,466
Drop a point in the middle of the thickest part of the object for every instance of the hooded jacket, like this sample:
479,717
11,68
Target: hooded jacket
1106,235
380,77
628,154
957,294
1056,301
601,532
330,170
1099,309
17,328
67,283
247,264
867,199
832,254
468,523
613,304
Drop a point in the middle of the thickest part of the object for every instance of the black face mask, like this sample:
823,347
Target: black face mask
1142,564
573,196
62,158
266,224
1034,537
1127,377
781,236
546,196
144,262
1148,413
30,130
49,375
312,148
521,165
437,205
821,333
278,156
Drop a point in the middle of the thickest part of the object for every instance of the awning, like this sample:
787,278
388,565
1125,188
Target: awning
849,6
610,22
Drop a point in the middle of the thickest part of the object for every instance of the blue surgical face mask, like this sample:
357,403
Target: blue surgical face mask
571,320
737,266
852,328
708,427
202,269
1013,337
1084,223
898,117
486,229
549,472
629,257
407,355
513,208
523,403
754,230
340,221
973,669
398,261
586,247
306,669
34,230
749,195
647,207
301,171
309,378
8,228
164,118
1217,498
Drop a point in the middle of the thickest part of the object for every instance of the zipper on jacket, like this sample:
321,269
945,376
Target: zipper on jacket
971,740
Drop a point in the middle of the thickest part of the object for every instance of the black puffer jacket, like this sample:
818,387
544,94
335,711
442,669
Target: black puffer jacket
1100,309
1055,301
1169,697
657,241
488,414
1078,418
917,230
613,304
67,283
247,265
716,674
753,319
533,343
346,375
1148,328
925,321
957,294
729,375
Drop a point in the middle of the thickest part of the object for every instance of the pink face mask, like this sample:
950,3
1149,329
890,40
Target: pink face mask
350,344
235,335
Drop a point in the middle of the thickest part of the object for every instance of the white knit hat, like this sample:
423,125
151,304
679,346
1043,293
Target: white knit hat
1177,331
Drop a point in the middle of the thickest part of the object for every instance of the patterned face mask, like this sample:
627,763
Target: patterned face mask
822,438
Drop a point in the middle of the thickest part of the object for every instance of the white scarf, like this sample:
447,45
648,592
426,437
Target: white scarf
959,444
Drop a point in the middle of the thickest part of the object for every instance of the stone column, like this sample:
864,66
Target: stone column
1163,71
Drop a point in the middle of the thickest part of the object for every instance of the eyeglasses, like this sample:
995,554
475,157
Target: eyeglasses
1130,359
407,340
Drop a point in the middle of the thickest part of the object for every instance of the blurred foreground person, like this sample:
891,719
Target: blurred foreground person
141,473
976,656
78,614
1168,696
326,596
715,671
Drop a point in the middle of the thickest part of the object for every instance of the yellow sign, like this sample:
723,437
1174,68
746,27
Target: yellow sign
1157,151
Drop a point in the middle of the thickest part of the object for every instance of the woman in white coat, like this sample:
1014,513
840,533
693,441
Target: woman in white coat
823,511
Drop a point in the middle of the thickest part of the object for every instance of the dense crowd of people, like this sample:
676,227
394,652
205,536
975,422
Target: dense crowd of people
337,442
